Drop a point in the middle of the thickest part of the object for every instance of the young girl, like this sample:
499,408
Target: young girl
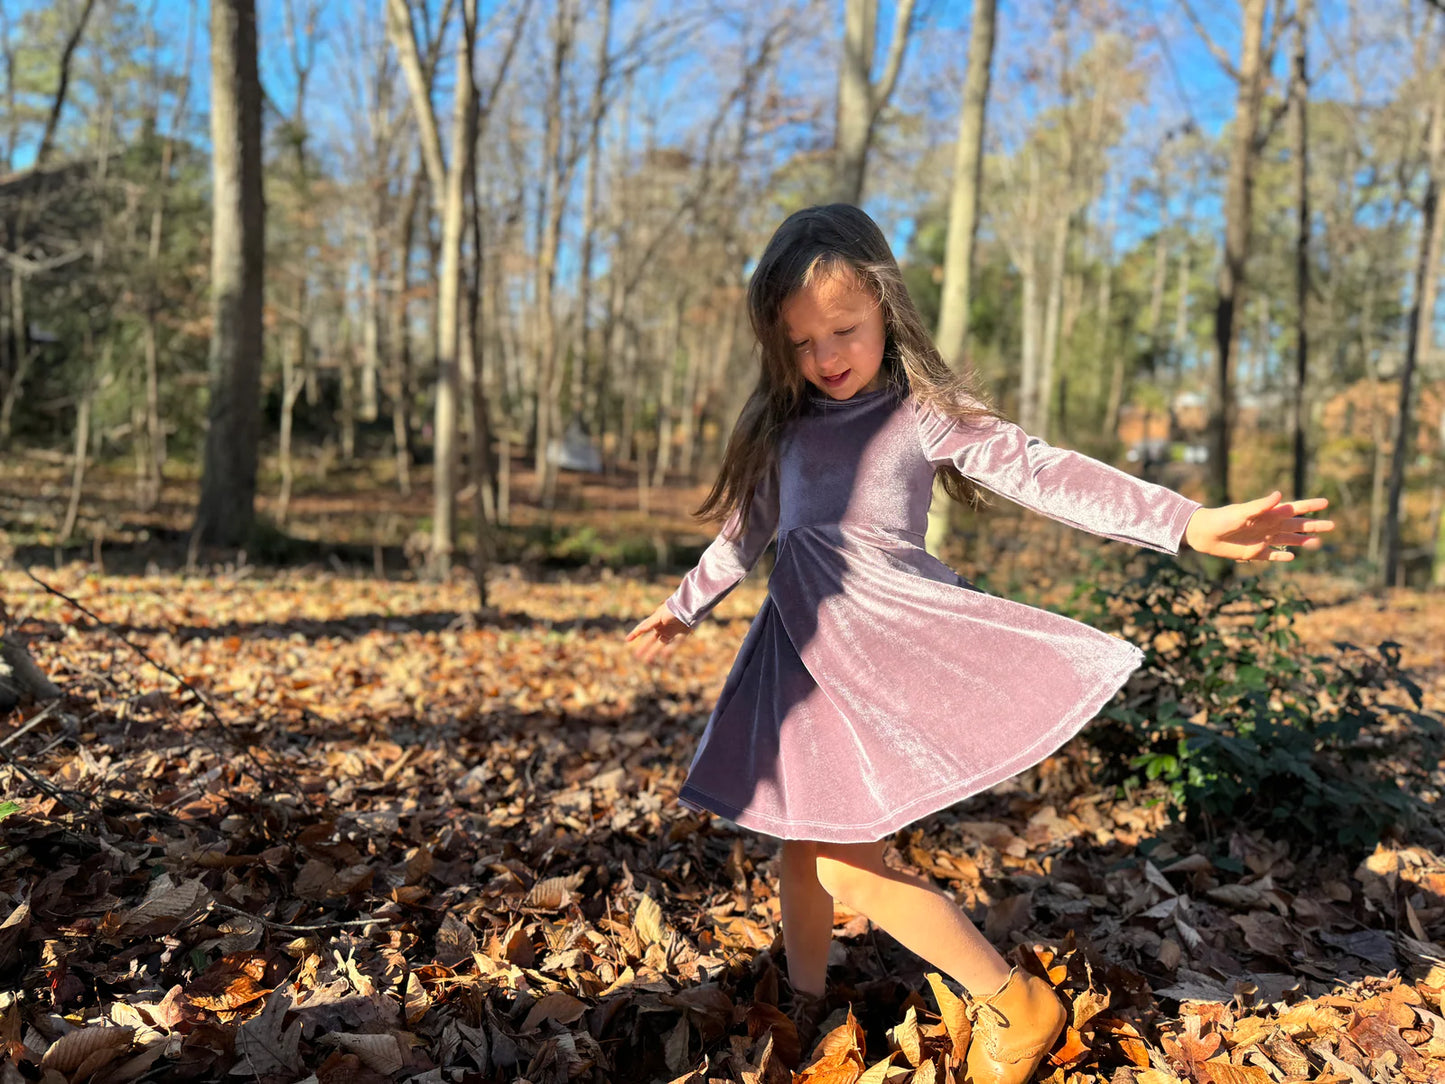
875,685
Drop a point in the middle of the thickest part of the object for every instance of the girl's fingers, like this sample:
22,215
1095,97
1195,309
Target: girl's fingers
1263,504
1299,523
1295,508
642,626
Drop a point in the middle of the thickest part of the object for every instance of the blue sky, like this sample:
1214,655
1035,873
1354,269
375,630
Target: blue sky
1187,82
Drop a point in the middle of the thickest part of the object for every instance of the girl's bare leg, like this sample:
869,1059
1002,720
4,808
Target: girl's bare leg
807,917
914,911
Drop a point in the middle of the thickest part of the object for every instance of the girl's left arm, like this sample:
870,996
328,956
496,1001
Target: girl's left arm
1070,487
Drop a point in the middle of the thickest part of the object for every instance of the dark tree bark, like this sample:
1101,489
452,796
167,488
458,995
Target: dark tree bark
1418,336
1243,160
1300,85
228,482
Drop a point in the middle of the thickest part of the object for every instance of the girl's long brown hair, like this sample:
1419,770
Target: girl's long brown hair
836,238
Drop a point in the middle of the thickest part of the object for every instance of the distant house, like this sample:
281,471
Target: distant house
1155,435
575,450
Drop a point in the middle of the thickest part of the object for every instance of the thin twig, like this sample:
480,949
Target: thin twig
267,778
271,924
38,718
82,803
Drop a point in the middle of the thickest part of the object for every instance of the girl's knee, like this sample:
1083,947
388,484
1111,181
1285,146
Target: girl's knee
844,867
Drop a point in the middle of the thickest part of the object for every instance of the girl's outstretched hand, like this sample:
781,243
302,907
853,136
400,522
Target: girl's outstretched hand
657,634
1257,530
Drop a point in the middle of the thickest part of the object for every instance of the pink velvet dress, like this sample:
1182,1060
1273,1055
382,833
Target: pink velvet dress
875,685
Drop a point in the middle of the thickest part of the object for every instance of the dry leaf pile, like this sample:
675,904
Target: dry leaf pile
380,841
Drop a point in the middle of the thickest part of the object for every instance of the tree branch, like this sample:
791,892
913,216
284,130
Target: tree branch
402,31
47,138
1281,22
1219,54
902,28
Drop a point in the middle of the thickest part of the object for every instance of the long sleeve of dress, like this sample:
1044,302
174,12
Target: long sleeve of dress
1063,485
727,558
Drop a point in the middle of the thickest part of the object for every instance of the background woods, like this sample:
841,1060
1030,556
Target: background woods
459,248
361,362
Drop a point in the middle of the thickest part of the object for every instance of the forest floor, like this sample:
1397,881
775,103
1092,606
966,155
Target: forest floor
340,829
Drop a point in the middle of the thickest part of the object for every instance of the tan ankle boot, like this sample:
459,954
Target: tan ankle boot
1012,1030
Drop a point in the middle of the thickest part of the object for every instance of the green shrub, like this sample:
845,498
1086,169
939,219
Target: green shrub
1243,725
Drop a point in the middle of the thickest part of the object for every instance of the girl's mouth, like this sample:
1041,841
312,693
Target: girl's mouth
834,381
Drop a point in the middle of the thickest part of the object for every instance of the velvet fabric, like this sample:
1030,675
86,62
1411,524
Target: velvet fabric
875,685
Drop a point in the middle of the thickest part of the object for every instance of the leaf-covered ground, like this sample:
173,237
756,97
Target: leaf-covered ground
376,839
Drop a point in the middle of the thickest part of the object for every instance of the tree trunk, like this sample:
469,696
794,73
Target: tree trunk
228,483
369,408
860,99
1421,315
1243,157
444,503
82,451
551,208
956,299
25,355
1379,434
1181,311
346,362
1049,351
666,407
399,363
953,316
153,478
590,184
479,451
293,380
1029,393
693,392
1030,316
1300,85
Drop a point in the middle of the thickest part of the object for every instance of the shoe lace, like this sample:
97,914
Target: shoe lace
975,1009
975,1006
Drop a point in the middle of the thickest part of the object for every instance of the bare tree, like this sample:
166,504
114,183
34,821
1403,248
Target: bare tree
967,177
227,506
1432,226
551,207
1300,95
296,338
860,98
1247,139
953,315
152,470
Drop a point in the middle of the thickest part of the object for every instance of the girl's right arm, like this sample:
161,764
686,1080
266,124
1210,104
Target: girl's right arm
727,559
722,567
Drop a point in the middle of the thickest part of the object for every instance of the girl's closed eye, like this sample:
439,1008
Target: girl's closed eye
840,331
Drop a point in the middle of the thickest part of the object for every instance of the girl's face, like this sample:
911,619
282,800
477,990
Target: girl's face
836,328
